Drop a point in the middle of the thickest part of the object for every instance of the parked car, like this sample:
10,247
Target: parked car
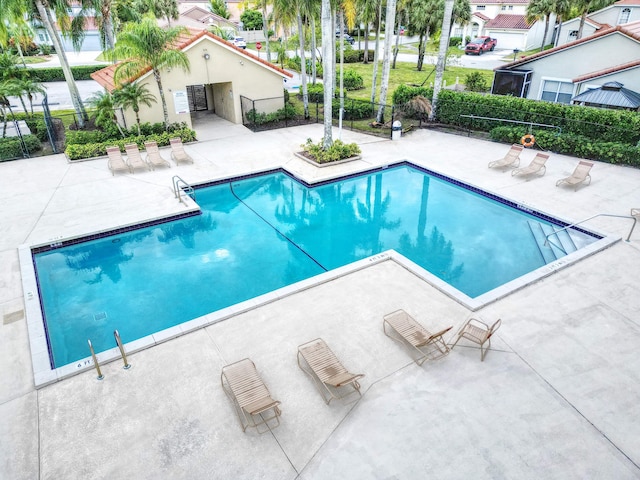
347,37
479,45
239,42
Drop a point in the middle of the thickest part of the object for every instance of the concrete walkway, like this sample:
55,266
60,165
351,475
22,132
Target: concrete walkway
556,397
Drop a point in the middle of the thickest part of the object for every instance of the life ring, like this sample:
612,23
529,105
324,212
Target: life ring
528,140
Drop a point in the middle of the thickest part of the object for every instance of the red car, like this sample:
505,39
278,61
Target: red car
479,45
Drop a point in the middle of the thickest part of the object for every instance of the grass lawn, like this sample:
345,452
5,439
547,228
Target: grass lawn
406,73
36,59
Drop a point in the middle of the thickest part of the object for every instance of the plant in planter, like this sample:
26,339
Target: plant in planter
336,152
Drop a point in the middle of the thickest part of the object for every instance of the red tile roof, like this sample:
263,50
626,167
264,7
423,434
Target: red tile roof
607,71
631,30
105,77
503,20
481,16
499,2
628,2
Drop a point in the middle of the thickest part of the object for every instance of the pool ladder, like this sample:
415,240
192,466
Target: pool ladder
127,365
180,187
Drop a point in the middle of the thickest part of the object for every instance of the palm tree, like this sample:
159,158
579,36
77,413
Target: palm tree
442,55
132,95
29,87
145,45
104,115
368,13
219,7
586,6
158,8
41,11
561,8
539,10
386,59
99,11
328,52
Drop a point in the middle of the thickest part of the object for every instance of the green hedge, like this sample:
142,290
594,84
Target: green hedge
404,93
89,150
603,125
54,74
572,144
10,146
354,109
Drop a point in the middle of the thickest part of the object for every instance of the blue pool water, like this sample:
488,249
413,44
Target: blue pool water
261,233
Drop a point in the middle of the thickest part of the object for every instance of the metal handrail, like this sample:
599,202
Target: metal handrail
95,361
635,220
116,334
531,124
179,186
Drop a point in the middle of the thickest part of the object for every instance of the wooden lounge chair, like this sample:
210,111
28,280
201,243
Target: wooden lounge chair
177,152
154,159
511,159
250,396
405,328
478,332
579,175
115,162
328,374
537,165
134,159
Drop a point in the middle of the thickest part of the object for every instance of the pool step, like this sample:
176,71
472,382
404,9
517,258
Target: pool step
552,242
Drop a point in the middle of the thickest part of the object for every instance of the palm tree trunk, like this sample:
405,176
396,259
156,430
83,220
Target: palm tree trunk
376,56
47,21
546,30
341,113
365,60
442,55
421,42
328,37
165,110
583,17
395,50
108,30
314,45
265,29
303,67
558,32
386,60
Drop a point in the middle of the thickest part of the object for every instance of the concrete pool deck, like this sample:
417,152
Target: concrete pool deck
556,397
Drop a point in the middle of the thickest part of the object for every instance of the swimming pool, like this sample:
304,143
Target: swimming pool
258,233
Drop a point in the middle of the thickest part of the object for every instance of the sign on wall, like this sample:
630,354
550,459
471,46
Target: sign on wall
181,101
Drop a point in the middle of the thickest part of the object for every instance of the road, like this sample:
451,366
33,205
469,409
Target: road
59,98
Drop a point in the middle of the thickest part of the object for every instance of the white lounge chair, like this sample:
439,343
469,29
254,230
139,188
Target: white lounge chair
115,162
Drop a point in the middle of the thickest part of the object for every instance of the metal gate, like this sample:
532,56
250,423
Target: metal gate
197,96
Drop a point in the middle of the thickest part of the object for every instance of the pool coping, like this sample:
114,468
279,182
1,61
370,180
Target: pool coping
45,375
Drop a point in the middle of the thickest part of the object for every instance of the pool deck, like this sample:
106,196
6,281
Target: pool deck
556,397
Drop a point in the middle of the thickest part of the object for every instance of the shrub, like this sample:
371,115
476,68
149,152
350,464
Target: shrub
315,93
404,93
475,82
54,74
354,109
80,151
352,80
455,41
572,144
618,126
288,111
10,147
338,151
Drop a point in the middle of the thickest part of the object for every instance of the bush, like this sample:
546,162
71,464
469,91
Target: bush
405,93
338,151
38,128
617,126
572,144
54,74
315,93
475,82
352,80
10,147
354,109
258,118
89,150
455,41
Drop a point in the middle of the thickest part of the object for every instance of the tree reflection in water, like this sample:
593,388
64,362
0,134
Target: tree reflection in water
185,230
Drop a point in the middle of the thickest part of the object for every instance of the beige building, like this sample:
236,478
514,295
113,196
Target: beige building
223,80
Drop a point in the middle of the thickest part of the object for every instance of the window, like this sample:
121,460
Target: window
503,7
41,37
458,32
557,91
510,7
624,16
573,34
480,7
512,82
